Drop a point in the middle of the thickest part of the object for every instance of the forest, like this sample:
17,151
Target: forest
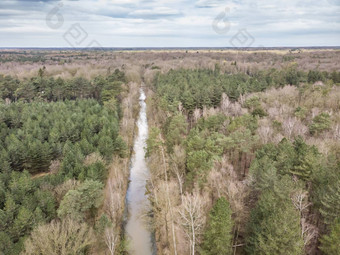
243,150
251,161
58,139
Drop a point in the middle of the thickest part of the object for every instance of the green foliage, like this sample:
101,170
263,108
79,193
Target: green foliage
81,202
306,159
264,173
323,180
254,105
23,206
102,223
335,76
96,171
213,123
35,131
330,201
301,112
320,123
5,243
274,226
292,75
153,142
330,244
314,76
295,158
23,222
175,131
202,149
198,88
41,87
245,121
218,234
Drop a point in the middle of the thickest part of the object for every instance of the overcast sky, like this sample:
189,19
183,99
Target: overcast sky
169,23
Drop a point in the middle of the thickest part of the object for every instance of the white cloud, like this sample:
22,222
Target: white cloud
172,22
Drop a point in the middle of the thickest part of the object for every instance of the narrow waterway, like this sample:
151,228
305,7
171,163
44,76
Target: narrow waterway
137,231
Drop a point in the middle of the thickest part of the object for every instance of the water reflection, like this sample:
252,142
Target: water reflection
138,234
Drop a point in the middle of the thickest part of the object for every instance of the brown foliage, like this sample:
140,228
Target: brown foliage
60,238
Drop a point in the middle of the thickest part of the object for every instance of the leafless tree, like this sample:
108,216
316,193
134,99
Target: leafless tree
192,217
308,231
61,190
265,133
180,107
242,99
113,203
164,160
111,240
93,158
196,114
336,134
54,166
60,238
300,201
288,126
178,165
225,103
205,112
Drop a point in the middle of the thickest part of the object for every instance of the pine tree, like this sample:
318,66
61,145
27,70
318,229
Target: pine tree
274,227
82,201
218,235
175,131
306,159
330,202
330,244
263,173
23,223
320,123
106,147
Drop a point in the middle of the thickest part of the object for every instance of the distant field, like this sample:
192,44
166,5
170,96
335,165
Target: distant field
67,63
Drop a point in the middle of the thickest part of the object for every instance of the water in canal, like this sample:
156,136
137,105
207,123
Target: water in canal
137,231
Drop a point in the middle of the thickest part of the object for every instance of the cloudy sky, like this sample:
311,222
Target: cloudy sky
169,23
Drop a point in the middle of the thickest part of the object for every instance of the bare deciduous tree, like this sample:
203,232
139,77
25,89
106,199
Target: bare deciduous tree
336,133
60,238
300,201
93,158
111,240
61,190
225,103
113,203
308,231
192,217
196,114
288,126
178,159
265,133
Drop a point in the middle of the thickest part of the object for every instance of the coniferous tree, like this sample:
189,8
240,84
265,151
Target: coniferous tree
274,226
82,201
330,202
218,234
330,244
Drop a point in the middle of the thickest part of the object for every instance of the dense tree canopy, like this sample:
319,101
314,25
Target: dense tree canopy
50,129
201,87
218,236
236,140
